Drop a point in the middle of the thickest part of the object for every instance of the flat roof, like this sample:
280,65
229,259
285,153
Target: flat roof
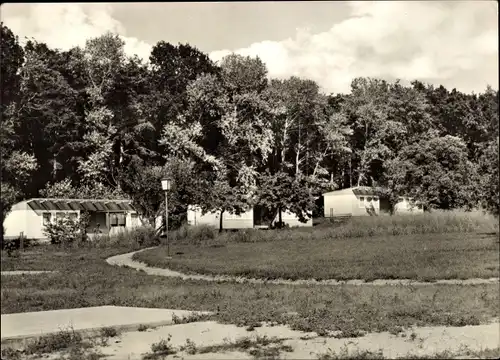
96,205
357,190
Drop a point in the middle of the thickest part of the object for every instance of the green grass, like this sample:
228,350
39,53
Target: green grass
421,257
84,279
437,222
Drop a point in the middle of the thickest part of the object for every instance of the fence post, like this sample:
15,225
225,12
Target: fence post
21,241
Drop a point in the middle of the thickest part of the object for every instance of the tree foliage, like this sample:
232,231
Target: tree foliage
92,122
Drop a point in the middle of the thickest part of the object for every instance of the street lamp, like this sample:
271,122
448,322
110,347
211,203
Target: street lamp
165,185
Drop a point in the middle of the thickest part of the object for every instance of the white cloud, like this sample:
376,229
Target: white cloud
65,26
431,41
449,43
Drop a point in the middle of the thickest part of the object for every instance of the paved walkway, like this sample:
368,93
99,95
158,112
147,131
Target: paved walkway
24,272
34,324
126,260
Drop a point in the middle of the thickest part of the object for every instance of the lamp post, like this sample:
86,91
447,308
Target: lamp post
165,185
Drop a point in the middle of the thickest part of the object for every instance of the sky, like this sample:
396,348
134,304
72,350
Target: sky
450,43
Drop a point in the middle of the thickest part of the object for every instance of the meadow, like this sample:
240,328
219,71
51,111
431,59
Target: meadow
423,247
83,278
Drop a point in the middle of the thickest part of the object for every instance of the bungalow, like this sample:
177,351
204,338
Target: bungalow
247,220
362,201
31,216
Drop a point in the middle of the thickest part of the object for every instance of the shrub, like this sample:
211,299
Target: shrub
144,236
161,349
194,234
66,231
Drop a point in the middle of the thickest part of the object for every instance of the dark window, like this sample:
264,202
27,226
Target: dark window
117,219
46,218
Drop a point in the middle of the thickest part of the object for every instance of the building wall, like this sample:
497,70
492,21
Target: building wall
30,222
405,207
341,204
16,222
243,221
292,220
362,202
348,204
336,204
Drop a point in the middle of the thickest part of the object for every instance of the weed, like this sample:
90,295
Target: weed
350,333
345,354
396,330
193,317
190,347
108,332
54,342
9,353
160,349
262,347
252,326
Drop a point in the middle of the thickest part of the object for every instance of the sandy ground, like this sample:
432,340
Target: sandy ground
459,342
423,341
126,260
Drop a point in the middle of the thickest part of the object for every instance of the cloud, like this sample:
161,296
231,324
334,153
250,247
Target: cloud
450,43
65,26
431,41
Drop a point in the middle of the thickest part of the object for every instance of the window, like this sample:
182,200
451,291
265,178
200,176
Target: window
361,201
60,215
66,215
116,219
121,219
47,217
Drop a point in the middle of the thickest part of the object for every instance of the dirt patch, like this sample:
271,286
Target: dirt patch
189,341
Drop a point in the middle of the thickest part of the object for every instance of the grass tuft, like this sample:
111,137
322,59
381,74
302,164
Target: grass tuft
160,349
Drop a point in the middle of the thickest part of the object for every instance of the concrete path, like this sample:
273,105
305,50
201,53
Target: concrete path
35,324
126,260
426,341
24,272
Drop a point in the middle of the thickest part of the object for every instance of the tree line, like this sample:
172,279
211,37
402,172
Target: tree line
92,122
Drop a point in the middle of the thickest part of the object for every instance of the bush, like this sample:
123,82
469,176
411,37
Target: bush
436,222
11,245
144,236
194,234
66,231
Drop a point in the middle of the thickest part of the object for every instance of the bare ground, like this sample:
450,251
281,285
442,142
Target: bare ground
224,339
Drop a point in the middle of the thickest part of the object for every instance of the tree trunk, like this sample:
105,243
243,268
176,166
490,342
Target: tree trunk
350,172
220,221
280,219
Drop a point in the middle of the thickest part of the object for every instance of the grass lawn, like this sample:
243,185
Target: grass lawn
84,279
415,256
